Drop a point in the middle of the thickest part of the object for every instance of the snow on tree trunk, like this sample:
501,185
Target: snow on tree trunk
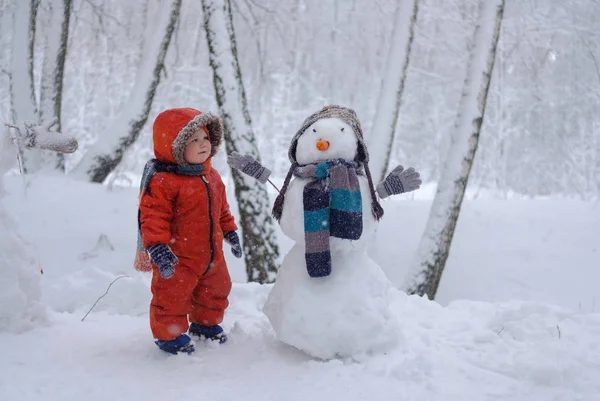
55,55
424,278
22,90
260,248
20,291
108,150
390,96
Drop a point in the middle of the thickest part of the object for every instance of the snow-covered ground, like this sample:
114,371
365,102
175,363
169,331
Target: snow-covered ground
516,317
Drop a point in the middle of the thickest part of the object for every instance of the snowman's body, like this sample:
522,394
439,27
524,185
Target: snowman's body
345,314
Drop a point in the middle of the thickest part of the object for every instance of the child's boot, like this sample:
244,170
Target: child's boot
214,333
183,343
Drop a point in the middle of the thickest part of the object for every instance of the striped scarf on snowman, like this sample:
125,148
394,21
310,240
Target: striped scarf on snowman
332,208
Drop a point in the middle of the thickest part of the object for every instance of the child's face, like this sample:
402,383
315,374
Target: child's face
198,148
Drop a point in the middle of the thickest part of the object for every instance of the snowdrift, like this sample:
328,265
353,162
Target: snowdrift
507,325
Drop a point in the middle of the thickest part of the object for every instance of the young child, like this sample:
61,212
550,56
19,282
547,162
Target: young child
183,219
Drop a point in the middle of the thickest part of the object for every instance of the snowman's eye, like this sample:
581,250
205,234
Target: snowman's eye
342,129
314,130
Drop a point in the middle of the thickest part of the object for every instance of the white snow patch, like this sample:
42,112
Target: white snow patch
516,255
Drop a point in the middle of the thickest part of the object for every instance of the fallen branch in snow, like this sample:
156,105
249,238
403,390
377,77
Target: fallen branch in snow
102,296
558,328
40,136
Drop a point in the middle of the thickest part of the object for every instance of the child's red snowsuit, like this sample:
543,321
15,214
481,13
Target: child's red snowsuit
190,214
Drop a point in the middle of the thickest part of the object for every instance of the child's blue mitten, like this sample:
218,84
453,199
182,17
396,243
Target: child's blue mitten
162,256
232,239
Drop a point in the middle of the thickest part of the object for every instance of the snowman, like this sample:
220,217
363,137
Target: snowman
330,299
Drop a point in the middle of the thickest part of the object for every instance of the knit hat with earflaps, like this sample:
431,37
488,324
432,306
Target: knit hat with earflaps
362,155
174,127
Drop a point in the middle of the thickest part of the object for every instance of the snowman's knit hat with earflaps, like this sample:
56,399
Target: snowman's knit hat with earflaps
362,156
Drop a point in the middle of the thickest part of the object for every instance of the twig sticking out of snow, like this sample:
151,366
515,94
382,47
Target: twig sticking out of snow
102,296
41,137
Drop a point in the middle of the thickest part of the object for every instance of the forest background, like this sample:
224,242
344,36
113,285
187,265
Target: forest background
540,134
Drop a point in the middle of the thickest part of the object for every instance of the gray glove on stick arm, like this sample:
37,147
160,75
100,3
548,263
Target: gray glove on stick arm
399,181
249,165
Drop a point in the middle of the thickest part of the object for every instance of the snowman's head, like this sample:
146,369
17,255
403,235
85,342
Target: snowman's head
333,132
326,139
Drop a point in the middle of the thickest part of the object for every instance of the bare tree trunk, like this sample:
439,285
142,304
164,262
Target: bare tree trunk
260,248
34,7
55,56
22,90
104,156
435,244
392,87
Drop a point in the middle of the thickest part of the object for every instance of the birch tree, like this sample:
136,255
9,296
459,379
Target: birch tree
55,55
435,244
260,248
22,89
392,87
106,153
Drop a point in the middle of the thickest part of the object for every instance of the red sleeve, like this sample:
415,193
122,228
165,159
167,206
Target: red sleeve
227,221
156,211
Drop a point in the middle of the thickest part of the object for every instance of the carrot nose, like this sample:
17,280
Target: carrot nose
322,145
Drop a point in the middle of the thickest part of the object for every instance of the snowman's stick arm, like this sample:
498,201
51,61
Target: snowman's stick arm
274,186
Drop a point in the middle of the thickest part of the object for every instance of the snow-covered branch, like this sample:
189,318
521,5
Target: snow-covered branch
31,135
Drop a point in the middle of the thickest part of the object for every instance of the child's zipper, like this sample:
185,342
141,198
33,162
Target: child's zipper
210,221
